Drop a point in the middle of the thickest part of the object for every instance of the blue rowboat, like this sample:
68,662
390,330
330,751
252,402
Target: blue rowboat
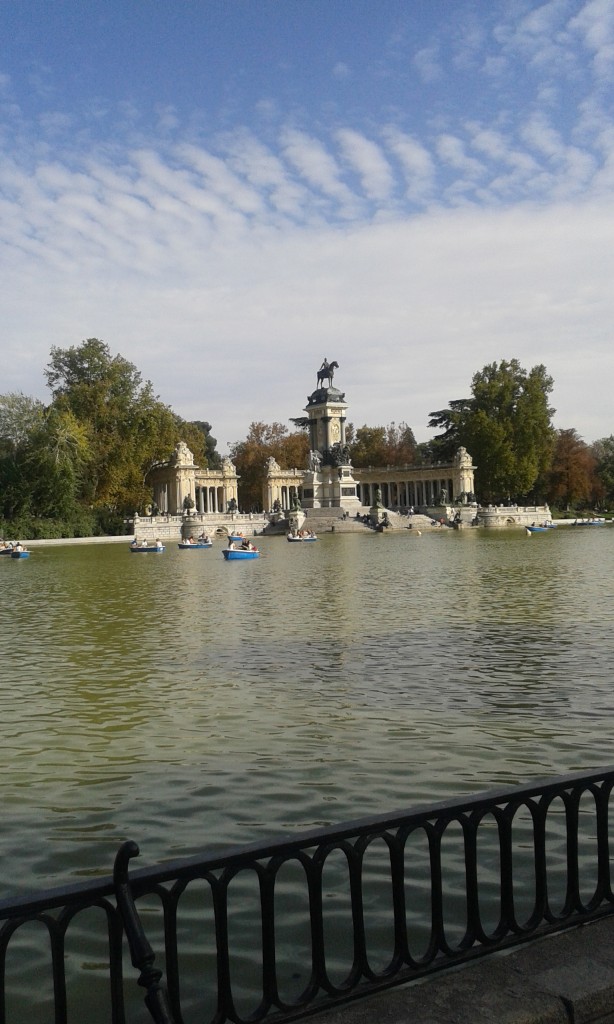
20,554
199,544
149,549
230,554
536,529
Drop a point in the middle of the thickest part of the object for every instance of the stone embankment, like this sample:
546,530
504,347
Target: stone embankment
564,979
331,520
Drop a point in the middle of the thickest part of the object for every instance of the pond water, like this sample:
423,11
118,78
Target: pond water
187,702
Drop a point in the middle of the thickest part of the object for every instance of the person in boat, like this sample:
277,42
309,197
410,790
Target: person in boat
159,543
246,545
143,543
19,546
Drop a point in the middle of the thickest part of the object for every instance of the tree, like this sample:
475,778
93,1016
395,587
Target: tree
20,418
58,452
250,456
603,452
444,447
212,457
506,426
129,428
394,445
572,477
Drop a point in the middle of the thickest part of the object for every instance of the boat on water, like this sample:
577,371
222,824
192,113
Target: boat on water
536,529
589,522
184,546
7,550
238,554
20,554
300,538
145,549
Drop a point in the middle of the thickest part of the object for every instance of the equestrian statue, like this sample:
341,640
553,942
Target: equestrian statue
326,372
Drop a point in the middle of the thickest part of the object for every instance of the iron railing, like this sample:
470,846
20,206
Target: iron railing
277,930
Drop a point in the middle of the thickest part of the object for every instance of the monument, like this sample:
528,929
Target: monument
328,481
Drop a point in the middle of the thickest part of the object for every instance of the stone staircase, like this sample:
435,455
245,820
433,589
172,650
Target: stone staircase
331,520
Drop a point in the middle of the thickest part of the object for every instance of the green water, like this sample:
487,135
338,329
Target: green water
185,702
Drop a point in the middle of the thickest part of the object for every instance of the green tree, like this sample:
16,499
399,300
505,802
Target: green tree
129,428
265,440
394,445
572,477
20,418
212,457
506,426
603,451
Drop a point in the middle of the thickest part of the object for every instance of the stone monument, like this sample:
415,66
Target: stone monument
328,481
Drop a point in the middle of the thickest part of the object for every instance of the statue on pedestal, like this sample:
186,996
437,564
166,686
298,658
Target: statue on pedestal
314,461
326,372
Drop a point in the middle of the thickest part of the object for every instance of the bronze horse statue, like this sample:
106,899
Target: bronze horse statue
327,372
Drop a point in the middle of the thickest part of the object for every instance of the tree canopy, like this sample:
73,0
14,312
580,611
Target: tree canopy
394,445
506,426
266,440
89,451
572,477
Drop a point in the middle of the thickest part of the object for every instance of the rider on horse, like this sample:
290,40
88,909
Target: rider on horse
326,371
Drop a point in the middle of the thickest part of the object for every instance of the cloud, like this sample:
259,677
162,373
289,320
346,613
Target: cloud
594,24
416,162
318,167
369,162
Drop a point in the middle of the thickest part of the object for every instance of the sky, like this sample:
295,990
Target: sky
228,191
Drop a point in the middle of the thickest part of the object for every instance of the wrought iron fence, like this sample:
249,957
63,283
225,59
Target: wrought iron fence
278,930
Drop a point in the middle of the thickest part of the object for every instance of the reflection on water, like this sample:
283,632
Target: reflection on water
185,702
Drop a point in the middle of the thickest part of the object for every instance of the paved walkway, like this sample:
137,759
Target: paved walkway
564,979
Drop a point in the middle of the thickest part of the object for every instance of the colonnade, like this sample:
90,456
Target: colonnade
403,493
210,499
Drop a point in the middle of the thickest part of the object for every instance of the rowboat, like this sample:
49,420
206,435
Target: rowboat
148,549
536,529
296,537
6,551
20,554
589,522
232,554
184,546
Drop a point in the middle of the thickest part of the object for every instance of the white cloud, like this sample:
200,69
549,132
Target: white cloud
416,162
369,162
317,166
595,25
451,150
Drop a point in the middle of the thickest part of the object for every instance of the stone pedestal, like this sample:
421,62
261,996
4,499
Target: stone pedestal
330,487
296,518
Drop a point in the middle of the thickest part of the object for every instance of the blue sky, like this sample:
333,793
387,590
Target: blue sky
227,191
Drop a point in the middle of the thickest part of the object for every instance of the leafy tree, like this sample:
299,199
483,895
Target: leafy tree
129,428
212,457
506,426
603,452
250,456
444,446
572,477
394,445
58,452
20,418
